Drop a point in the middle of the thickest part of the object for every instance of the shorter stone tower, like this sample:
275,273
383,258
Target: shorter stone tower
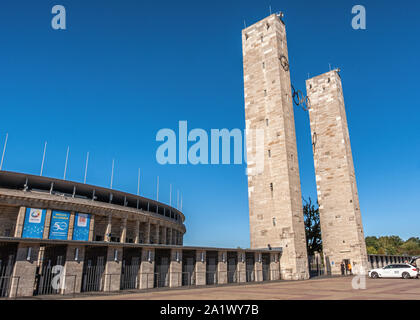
341,222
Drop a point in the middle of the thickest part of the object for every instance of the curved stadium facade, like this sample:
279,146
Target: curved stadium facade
63,237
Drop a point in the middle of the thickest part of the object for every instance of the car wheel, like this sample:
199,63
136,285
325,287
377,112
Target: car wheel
406,275
374,275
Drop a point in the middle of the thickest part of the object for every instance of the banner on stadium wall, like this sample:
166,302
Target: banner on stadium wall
59,226
33,226
81,227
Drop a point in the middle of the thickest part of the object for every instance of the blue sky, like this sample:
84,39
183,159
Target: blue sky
125,69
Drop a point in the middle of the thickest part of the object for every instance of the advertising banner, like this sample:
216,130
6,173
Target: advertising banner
33,227
59,225
81,227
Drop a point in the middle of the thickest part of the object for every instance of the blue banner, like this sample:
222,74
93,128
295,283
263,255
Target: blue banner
59,226
33,227
81,227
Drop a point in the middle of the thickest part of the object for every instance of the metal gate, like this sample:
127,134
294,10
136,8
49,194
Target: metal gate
188,268
316,266
211,268
130,269
162,268
7,261
250,267
265,267
130,274
232,267
93,269
45,283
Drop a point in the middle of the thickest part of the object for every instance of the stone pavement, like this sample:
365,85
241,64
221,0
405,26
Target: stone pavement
316,289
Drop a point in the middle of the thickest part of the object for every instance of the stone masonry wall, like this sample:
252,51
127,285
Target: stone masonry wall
341,222
275,201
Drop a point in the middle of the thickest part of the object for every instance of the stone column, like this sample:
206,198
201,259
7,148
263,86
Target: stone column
46,233
147,268
147,233
241,266
339,208
274,266
258,267
22,283
91,227
222,267
108,229
200,268
71,226
273,166
112,276
170,237
73,267
19,222
123,230
137,231
157,233
174,237
164,235
175,268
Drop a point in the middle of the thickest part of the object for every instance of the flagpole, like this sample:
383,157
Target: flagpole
43,158
177,200
157,191
4,151
65,166
86,167
112,173
138,183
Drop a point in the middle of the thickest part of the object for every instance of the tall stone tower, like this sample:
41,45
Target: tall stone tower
341,222
275,201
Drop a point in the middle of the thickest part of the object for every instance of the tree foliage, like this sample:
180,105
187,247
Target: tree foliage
393,245
312,227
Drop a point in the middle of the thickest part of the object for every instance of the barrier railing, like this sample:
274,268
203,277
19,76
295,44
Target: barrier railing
72,284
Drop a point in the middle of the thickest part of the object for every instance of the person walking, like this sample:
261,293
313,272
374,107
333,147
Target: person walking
349,267
343,268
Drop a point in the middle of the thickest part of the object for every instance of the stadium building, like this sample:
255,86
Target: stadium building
63,237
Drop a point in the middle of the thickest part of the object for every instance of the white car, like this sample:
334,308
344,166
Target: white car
401,270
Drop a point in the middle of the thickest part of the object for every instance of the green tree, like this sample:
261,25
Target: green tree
393,245
372,242
312,227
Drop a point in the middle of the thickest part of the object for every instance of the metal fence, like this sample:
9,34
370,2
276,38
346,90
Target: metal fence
316,266
6,270
130,276
93,278
45,283
161,279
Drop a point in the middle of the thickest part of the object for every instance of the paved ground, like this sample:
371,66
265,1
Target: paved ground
324,289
